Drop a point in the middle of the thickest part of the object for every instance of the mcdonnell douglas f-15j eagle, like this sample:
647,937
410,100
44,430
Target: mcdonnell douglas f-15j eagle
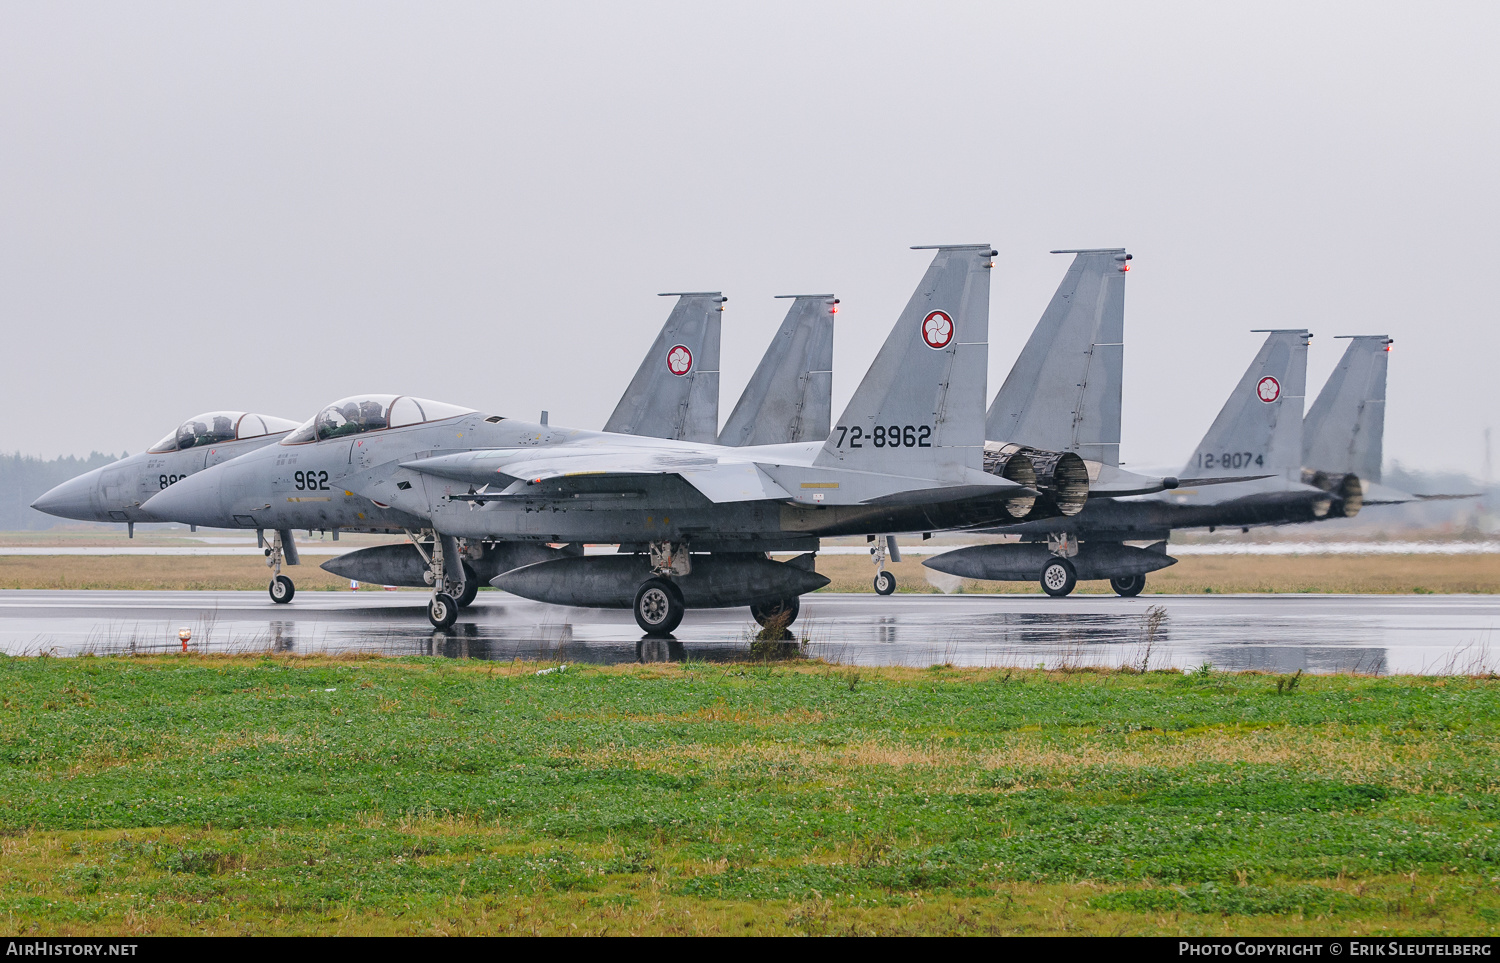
694,520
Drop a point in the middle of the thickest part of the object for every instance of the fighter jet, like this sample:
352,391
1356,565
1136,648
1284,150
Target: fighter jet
115,492
1259,430
786,400
694,521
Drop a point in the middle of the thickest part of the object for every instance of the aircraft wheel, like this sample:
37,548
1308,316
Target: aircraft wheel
781,610
658,607
471,587
885,583
1128,586
442,611
1058,578
282,590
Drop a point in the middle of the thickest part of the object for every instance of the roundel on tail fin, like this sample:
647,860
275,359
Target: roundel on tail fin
679,359
1268,390
937,329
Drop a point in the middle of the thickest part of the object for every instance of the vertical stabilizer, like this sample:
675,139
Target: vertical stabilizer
919,411
675,392
790,396
1259,429
1345,428
1063,393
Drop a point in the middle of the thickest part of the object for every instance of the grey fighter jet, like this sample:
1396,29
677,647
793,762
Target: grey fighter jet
1259,430
115,492
786,400
694,521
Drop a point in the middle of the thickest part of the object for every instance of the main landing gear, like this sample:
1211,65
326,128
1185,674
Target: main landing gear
1059,578
1128,586
885,582
658,605
279,548
444,561
782,610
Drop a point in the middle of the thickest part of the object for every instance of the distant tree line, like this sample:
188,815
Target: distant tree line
23,478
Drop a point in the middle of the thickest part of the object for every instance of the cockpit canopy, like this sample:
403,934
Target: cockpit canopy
217,427
357,415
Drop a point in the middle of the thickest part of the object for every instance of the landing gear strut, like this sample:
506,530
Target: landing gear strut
658,605
1058,575
1128,586
447,591
279,547
885,582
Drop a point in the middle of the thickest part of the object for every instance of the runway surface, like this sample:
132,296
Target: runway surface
1442,634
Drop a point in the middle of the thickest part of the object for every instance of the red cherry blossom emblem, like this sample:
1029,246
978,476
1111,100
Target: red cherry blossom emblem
1268,390
937,329
679,360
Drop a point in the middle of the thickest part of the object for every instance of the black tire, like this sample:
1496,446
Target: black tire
1128,586
281,590
784,610
1058,578
442,610
658,607
885,583
471,587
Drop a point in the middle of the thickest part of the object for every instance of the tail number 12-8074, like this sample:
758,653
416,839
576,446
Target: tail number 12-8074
1230,459
885,436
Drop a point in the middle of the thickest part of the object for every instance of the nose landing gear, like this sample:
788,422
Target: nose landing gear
885,582
279,548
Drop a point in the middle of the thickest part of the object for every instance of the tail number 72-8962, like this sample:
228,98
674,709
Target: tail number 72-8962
885,436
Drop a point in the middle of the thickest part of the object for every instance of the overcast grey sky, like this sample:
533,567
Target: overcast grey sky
268,206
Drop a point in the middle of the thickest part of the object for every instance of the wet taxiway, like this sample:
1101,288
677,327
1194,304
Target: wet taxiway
1319,633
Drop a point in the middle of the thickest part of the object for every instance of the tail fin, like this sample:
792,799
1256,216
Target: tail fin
790,396
1259,429
675,392
1063,393
1344,429
919,412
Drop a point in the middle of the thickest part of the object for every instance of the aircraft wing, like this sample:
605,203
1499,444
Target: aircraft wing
517,471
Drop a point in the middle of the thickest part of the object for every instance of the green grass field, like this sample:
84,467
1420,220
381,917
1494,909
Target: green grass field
258,794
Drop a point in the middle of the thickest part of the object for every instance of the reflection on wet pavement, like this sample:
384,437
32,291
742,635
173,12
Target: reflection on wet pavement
1370,634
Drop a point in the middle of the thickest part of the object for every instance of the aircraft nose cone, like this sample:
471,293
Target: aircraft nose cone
72,499
193,500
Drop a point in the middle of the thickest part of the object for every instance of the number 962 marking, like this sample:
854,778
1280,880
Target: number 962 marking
310,481
1230,459
886,436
